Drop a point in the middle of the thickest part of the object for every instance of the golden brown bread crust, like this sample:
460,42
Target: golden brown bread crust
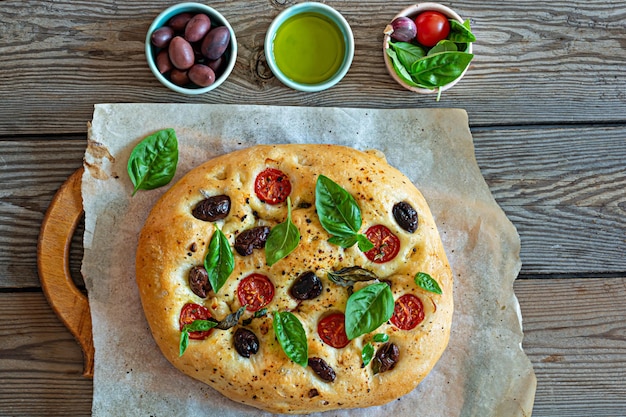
269,379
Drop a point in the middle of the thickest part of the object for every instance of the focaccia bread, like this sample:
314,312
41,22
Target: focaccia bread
281,231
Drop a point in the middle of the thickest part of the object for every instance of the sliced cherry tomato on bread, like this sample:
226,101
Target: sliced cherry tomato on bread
332,330
408,312
192,312
256,291
386,244
272,186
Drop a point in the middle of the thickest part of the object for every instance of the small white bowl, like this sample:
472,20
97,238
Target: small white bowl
326,11
216,20
412,12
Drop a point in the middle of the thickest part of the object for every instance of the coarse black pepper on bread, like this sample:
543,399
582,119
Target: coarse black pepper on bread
255,369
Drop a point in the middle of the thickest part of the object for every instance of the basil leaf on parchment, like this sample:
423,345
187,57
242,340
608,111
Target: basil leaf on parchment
282,240
219,261
426,282
153,161
367,309
291,337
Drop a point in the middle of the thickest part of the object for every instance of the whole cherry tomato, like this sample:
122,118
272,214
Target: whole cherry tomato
432,27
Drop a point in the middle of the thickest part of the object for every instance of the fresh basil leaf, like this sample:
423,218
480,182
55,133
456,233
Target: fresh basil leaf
291,337
407,52
339,214
257,314
348,241
461,33
200,326
367,309
344,241
282,240
400,70
443,46
367,354
194,326
348,276
219,261
152,163
364,243
381,338
231,320
183,342
462,47
440,69
426,282
338,211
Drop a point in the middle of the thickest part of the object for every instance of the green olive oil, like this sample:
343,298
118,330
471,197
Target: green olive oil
309,48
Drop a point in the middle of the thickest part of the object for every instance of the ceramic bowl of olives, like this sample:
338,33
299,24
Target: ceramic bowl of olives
427,48
191,48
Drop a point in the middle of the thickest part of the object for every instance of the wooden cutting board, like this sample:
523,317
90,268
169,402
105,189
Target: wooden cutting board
67,301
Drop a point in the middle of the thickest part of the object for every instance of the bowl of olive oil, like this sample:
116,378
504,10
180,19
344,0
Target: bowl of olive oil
309,47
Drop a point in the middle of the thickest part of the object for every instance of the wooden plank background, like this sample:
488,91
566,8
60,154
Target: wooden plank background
536,62
546,97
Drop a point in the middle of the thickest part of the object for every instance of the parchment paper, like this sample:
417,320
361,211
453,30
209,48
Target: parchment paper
483,372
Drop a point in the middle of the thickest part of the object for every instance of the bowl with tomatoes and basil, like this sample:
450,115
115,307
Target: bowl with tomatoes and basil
428,48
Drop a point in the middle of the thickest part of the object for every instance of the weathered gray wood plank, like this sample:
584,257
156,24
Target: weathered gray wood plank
536,62
574,336
40,362
570,216
31,172
564,189
538,65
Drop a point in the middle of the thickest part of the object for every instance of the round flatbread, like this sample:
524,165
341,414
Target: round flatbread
310,317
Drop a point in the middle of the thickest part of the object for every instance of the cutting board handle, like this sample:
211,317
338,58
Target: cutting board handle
53,251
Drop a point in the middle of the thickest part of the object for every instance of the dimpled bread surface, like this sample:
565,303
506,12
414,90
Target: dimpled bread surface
269,380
